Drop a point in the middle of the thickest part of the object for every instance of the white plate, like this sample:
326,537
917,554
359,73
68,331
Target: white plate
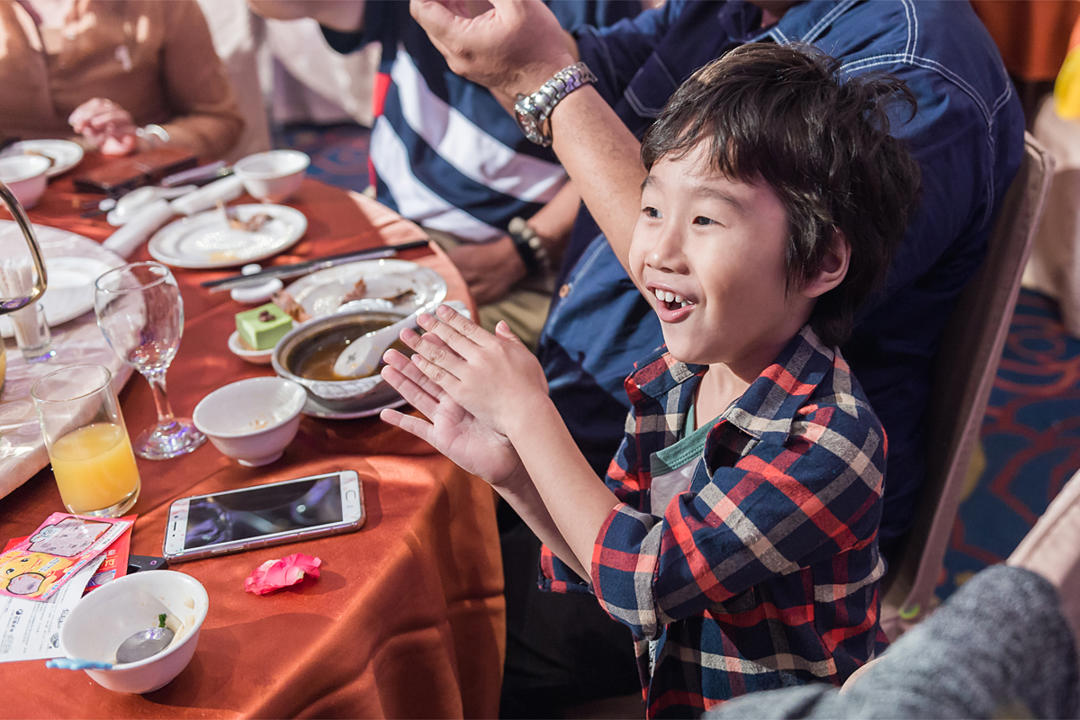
72,263
63,153
259,357
205,240
313,408
320,293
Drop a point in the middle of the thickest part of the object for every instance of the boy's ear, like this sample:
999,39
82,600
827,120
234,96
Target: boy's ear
834,267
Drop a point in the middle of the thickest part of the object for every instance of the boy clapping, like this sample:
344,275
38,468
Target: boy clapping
736,531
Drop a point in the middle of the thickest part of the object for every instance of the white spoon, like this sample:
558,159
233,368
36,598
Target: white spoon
361,357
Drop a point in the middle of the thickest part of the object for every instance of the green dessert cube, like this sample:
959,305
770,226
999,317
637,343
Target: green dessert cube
262,327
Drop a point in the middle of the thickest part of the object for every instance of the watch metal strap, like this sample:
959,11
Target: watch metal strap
532,111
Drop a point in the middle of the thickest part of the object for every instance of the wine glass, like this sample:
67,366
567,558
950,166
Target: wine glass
18,290
140,312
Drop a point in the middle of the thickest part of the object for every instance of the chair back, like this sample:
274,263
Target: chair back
964,373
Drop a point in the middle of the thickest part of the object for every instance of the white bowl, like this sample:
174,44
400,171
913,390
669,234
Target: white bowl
251,420
237,346
25,176
272,176
110,614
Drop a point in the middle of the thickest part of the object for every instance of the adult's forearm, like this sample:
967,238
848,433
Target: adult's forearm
603,159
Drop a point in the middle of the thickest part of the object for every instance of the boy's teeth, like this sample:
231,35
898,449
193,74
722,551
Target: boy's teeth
669,297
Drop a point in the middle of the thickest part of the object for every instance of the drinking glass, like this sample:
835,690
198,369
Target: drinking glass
87,441
140,312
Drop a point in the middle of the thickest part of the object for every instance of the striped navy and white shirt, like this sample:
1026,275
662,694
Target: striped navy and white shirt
445,154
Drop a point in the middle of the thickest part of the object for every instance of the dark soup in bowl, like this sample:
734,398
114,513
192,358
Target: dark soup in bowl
314,358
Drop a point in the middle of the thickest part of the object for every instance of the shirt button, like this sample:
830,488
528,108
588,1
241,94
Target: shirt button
564,290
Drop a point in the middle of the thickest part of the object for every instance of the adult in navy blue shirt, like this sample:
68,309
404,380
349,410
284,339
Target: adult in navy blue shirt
967,135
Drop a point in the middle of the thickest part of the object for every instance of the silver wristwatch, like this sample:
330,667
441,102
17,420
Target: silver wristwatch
532,111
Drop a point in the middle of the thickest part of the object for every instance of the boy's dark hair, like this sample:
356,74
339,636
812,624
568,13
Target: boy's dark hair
780,114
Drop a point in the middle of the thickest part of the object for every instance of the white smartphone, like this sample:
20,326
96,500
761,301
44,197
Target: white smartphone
259,515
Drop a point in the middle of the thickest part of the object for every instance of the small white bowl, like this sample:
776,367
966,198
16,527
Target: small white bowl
25,176
259,357
251,420
272,176
110,614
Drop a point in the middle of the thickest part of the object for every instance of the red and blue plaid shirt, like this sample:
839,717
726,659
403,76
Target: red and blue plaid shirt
764,572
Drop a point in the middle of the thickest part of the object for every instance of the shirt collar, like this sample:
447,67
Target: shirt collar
804,22
768,405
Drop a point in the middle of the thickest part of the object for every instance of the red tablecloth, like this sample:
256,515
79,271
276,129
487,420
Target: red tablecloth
407,619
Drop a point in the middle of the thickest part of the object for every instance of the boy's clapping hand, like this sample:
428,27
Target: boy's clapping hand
450,429
472,386
493,376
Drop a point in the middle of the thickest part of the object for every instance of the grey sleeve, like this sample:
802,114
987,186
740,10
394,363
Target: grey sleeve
998,647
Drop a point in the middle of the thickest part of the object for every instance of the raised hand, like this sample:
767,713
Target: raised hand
106,126
494,377
449,428
512,46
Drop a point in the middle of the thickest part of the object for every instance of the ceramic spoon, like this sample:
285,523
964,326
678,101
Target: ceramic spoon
362,355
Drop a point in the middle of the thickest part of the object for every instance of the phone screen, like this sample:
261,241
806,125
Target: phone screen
263,510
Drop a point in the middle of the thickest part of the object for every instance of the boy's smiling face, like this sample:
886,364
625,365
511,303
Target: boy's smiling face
708,253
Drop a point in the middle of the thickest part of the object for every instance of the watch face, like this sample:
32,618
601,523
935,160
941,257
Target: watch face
524,113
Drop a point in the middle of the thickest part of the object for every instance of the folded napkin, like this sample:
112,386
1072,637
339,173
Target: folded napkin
139,228
206,197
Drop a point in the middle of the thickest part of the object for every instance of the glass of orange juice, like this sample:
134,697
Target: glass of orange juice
87,441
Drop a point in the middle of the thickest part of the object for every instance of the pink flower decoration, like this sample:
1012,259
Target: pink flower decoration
277,574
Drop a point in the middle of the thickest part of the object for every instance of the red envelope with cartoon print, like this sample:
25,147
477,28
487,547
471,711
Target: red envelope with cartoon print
38,566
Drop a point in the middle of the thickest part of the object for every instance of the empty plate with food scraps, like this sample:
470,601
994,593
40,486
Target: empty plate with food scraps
228,236
397,286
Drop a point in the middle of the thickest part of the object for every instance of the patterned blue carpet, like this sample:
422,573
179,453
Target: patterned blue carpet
1030,436
338,153
1030,440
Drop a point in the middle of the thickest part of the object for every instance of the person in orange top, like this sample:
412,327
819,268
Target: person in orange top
121,75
